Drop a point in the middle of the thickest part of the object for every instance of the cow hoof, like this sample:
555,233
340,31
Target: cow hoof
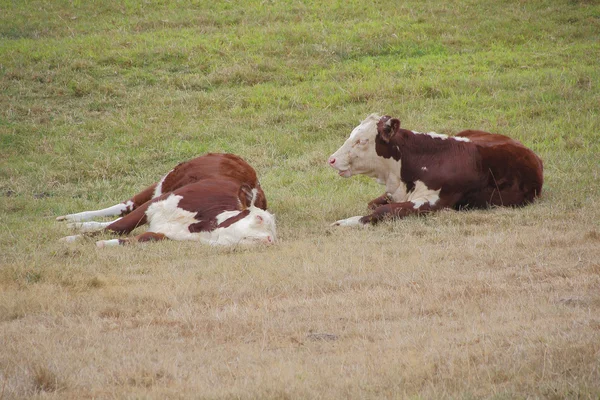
70,239
107,243
352,221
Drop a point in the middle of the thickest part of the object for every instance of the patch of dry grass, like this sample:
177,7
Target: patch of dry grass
487,303
99,99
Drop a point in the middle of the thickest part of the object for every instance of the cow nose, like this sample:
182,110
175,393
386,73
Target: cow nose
331,161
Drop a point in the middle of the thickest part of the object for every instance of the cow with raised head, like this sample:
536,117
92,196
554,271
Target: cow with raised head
425,172
214,199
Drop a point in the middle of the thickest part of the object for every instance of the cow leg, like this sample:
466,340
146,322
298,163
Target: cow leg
385,198
128,223
122,225
389,211
399,210
90,226
144,237
121,209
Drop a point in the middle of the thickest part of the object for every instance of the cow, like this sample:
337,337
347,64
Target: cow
426,172
215,199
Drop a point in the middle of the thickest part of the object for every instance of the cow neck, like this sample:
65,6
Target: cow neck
388,173
391,156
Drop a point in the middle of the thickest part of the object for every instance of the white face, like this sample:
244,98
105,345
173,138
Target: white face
357,155
258,227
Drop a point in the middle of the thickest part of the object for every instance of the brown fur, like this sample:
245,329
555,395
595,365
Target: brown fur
209,184
489,170
207,198
209,166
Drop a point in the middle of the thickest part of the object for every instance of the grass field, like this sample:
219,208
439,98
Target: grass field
98,99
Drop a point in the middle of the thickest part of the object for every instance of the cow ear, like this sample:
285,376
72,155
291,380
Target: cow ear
245,196
388,129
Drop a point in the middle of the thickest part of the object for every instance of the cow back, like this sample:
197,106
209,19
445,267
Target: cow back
214,166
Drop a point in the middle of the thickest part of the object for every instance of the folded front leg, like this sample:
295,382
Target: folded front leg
399,210
385,198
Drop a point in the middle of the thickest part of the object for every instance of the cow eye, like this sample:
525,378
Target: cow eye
362,142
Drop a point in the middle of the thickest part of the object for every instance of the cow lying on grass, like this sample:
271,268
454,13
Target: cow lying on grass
214,199
425,172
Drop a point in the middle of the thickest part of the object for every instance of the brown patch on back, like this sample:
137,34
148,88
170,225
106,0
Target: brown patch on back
208,199
214,166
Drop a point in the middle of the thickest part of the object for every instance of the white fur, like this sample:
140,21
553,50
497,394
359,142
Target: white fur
357,156
70,239
107,243
461,139
422,194
90,226
167,218
443,136
352,221
117,209
158,188
257,227
225,215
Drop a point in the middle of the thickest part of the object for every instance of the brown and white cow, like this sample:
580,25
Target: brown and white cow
425,172
214,199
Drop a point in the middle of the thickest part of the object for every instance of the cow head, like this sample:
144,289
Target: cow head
256,227
357,154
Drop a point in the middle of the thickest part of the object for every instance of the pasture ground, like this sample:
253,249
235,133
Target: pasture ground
99,99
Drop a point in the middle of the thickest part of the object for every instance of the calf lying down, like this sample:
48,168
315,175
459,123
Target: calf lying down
222,207
425,172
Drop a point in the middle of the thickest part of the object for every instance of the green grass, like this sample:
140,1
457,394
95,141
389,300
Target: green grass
98,99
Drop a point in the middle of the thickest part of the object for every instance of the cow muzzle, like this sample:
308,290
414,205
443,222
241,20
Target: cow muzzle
333,163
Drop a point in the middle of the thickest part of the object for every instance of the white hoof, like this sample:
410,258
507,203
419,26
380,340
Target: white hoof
107,243
352,221
70,239
74,217
90,226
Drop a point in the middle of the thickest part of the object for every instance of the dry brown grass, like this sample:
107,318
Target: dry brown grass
499,303
100,98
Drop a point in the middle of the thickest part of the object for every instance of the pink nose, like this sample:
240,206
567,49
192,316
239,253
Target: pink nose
331,160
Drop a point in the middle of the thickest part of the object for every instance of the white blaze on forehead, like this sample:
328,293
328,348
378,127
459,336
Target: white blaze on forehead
366,129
